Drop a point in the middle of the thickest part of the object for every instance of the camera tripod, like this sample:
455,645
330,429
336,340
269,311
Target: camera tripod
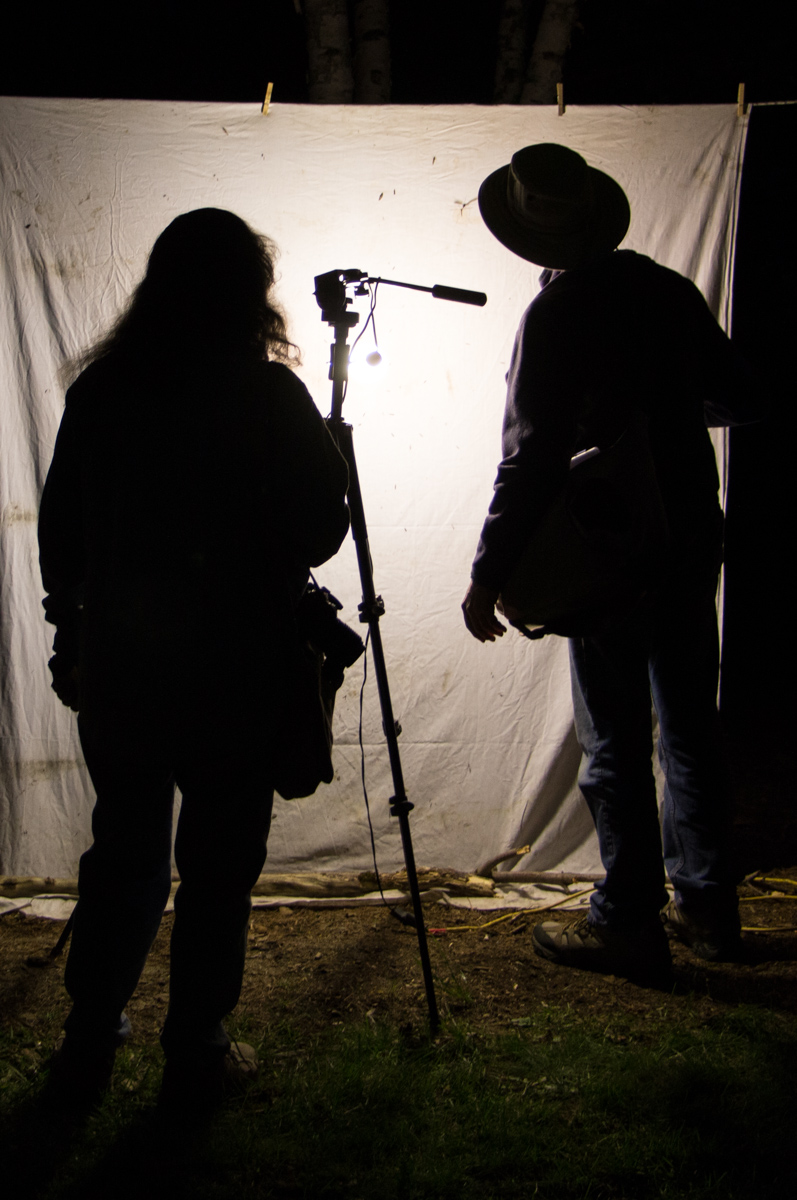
330,292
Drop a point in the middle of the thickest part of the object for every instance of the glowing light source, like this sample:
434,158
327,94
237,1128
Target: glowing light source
368,369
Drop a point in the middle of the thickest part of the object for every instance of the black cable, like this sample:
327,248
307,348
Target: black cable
362,767
369,320
404,917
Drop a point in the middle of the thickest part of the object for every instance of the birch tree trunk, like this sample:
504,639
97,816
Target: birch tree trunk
510,61
550,47
328,51
371,52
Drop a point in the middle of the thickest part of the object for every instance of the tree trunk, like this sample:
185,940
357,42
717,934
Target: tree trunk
328,51
550,47
511,57
371,52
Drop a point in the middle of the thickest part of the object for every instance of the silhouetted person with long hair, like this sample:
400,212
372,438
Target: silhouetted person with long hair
192,487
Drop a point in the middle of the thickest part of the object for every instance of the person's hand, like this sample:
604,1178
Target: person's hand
478,608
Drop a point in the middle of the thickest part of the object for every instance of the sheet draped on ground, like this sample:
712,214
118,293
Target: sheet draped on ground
526,897
489,754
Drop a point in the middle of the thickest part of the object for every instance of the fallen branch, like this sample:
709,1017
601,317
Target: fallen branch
456,883
307,883
12,886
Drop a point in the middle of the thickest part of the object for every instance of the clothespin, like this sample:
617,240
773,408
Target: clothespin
741,107
560,98
267,101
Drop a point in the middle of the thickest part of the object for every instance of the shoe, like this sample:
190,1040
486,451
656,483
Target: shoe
643,957
716,941
206,1084
78,1076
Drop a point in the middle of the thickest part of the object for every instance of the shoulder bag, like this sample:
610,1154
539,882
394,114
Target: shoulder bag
600,547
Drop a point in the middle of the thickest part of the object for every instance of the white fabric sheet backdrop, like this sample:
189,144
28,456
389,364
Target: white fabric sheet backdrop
488,750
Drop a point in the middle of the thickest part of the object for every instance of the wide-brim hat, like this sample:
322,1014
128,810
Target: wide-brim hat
548,206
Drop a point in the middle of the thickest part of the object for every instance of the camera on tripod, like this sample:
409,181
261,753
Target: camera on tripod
319,623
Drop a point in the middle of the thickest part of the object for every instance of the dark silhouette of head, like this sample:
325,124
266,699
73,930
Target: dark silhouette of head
206,292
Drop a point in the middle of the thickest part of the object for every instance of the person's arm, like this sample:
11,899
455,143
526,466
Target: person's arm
731,392
311,477
538,433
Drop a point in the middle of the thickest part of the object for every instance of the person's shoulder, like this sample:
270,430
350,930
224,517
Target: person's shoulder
279,374
635,287
93,383
279,380
645,272
282,390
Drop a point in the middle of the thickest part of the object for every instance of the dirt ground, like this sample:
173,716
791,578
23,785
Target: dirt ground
308,968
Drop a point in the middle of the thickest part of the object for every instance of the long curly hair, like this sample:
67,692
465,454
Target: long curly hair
207,290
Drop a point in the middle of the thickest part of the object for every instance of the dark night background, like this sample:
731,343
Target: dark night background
622,52
443,51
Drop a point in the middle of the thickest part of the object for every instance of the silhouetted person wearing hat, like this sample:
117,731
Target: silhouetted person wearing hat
193,484
610,333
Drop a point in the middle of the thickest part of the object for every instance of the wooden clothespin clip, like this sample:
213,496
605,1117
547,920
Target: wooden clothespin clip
560,98
267,101
741,107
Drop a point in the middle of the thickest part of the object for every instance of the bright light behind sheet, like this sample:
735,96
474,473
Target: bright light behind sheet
488,750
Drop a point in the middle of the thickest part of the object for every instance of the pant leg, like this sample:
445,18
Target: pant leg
124,878
697,811
220,850
613,716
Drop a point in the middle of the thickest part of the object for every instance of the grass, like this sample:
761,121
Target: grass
558,1107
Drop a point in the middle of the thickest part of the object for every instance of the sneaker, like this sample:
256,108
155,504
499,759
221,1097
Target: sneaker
206,1084
716,941
643,956
78,1076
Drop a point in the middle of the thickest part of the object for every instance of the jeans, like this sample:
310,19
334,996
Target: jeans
669,652
136,753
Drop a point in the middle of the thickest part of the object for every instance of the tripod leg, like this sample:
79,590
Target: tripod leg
371,609
417,908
